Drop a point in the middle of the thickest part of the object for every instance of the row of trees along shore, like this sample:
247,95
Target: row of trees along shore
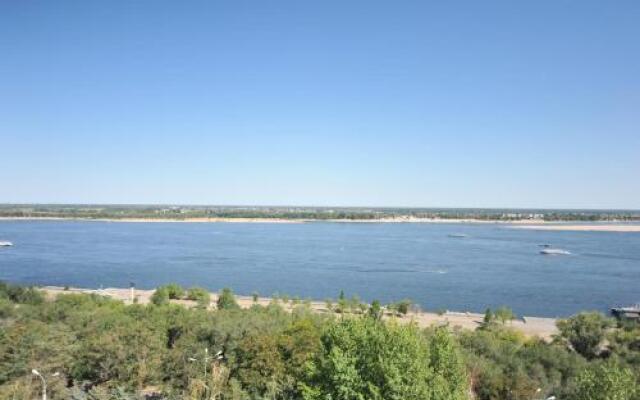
304,213
92,347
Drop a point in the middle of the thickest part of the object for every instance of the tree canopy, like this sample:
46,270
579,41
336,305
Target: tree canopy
93,347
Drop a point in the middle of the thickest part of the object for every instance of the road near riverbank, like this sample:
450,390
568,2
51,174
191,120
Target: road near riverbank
531,326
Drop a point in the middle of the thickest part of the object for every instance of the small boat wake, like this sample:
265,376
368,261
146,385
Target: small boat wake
436,271
548,251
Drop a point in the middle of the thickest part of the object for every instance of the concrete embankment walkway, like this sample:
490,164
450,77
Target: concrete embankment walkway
530,326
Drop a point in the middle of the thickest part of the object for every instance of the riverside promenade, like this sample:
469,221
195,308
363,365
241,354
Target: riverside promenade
544,328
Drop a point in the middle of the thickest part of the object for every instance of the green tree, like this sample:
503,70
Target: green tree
450,381
343,303
488,318
375,310
126,349
504,314
606,381
363,359
585,332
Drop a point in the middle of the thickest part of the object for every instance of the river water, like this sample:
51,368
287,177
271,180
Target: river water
491,265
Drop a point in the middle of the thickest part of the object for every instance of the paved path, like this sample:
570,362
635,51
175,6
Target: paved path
530,326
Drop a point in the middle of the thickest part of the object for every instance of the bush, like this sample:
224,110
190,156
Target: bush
401,307
175,291
503,314
160,296
226,300
21,294
199,295
328,303
6,308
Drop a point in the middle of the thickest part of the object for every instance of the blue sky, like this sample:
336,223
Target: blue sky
459,104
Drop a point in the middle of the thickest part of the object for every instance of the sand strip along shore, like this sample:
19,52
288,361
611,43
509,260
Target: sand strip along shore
544,328
262,220
518,224
583,228
150,220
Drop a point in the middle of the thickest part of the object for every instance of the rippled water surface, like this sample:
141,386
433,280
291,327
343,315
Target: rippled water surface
492,265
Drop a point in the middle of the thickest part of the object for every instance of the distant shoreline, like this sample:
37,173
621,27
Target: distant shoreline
531,224
151,220
396,220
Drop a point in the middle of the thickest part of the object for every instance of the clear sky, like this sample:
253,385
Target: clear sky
389,103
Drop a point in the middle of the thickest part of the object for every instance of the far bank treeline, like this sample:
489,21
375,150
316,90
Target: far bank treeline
92,347
304,213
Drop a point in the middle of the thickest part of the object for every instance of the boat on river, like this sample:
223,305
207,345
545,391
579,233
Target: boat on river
554,252
632,312
5,244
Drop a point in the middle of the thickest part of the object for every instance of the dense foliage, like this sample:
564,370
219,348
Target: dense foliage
91,347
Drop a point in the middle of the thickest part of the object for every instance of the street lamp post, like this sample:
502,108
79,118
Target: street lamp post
132,287
44,382
205,360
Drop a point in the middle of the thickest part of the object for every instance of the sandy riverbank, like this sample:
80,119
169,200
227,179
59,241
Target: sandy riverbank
530,326
150,220
435,221
519,224
395,220
582,228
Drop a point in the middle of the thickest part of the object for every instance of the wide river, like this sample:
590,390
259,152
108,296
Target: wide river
492,265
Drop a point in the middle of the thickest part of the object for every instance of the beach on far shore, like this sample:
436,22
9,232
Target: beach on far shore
581,228
402,219
531,224
151,220
544,328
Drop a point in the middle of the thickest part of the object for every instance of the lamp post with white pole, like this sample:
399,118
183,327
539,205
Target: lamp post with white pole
205,359
132,287
44,382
